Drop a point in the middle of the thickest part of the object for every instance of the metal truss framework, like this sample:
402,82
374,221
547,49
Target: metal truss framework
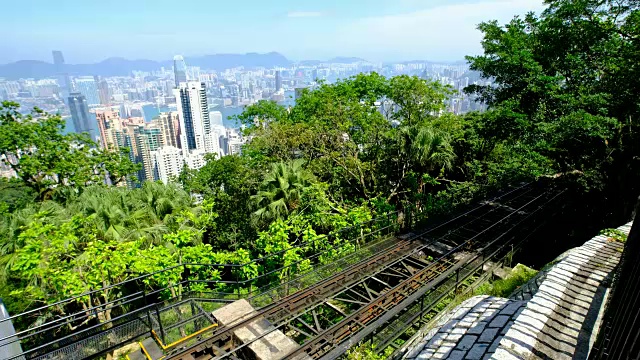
353,303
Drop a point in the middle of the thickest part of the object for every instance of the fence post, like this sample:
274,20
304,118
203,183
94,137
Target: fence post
185,276
162,337
144,299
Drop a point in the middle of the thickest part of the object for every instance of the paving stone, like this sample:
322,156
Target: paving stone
607,264
456,355
488,335
571,276
465,323
569,292
449,326
553,300
477,352
595,268
504,355
415,351
499,321
572,314
458,330
557,296
442,353
466,342
437,340
580,272
497,304
549,320
454,337
460,313
544,304
511,308
506,328
494,345
426,354
515,316
478,328
488,315
472,315
524,343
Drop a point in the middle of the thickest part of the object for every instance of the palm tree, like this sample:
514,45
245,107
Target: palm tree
281,190
162,200
432,149
13,224
423,149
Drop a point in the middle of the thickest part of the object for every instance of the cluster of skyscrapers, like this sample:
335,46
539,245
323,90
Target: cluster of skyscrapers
173,117
173,139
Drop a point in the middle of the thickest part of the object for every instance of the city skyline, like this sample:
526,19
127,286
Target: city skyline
171,115
377,30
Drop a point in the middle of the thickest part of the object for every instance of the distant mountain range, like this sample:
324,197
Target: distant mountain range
123,67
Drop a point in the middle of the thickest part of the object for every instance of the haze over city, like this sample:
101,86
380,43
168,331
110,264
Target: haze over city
376,30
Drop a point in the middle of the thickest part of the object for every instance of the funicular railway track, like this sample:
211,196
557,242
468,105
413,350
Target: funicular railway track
342,306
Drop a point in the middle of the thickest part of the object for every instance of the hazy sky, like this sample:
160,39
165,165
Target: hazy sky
92,30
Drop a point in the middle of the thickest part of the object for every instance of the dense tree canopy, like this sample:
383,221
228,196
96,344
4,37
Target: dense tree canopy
312,177
565,87
45,159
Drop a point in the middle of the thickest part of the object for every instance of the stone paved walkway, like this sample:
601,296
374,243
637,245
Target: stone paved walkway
472,331
558,321
552,317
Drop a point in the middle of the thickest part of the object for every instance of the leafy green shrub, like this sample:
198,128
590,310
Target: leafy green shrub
504,287
366,351
614,235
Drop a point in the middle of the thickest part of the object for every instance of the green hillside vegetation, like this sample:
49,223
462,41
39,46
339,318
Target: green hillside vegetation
564,101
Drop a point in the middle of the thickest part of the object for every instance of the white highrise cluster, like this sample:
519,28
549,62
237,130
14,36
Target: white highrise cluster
168,163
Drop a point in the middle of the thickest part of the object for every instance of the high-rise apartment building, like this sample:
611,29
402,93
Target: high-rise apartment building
80,113
278,81
195,159
169,124
179,70
148,139
64,82
103,92
168,163
234,142
195,124
86,85
108,120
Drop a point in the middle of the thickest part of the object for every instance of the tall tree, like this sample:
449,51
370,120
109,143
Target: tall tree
46,159
281,190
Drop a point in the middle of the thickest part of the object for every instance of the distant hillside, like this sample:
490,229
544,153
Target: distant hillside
346,60
124,67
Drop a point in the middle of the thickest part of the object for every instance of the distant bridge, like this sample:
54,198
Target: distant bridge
375,293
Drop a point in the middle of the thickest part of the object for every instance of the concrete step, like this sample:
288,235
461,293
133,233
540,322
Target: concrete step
136,355
152,349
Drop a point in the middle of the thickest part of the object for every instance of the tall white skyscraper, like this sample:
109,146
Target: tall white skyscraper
168,162
195,124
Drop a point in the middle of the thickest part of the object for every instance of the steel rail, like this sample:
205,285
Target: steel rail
396,297
225,331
